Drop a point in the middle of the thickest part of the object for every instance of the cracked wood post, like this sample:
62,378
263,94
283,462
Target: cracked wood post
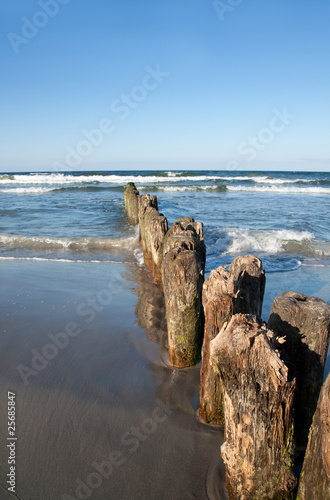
258,396
314,480
183,276
152,229
131,196
305,321
225,293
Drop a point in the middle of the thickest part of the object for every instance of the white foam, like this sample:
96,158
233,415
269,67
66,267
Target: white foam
43,259
28,190
272,242
174,174
60,179
76,244
280,190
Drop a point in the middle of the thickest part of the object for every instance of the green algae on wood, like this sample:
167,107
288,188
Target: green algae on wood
183,277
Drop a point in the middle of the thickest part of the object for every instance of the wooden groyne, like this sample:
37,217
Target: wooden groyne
261,381
176,258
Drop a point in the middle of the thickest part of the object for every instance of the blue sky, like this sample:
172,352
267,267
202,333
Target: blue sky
125,84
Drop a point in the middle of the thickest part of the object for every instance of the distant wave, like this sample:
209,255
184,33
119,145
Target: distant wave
181,189
28,190
273,180
280,190
57,189
172,188
108,179
38,183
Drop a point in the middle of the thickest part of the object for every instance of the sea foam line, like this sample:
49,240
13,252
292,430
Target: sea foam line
46,243
280,190
28,190
43,259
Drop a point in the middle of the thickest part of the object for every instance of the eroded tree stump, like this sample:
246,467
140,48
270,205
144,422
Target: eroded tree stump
258,402
225,293
314,480
305,322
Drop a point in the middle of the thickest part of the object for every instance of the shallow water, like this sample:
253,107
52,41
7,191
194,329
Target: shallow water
283,217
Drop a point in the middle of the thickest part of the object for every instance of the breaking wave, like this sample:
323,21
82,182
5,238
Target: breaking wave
76,244
236,241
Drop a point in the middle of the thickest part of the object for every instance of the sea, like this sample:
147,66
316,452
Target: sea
282,217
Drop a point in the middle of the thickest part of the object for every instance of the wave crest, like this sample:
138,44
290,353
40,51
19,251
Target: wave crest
39,243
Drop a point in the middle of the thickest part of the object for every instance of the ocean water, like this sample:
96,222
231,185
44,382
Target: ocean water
282,217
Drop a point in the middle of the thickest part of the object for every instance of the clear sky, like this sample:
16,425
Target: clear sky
131,84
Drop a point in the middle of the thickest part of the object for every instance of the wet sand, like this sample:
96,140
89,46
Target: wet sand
99,414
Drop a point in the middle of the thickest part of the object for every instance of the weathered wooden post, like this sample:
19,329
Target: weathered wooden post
258,395
225,293
314,480
183,277
131,196
153,228
305,322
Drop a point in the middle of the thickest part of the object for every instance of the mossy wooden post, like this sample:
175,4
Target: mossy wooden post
258,402
131,203
153,228
314,480
241,289
305,322
183,277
